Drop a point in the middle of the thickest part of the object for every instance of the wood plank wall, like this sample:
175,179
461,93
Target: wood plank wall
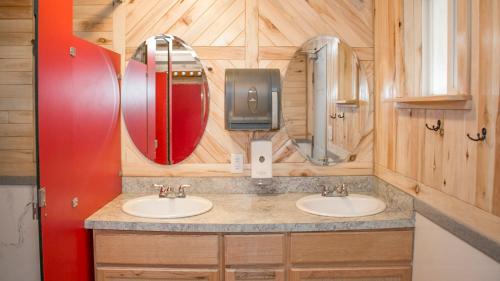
405,151
93,21
16,89
229,34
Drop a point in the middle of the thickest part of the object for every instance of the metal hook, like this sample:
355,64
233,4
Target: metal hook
341,116
333,116
480,137
434,128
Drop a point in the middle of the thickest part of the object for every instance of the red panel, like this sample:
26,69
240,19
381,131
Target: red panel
79,140
186,120
161,117
135,104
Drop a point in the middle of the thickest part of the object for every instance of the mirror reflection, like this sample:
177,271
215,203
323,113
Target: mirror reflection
165,99
326,101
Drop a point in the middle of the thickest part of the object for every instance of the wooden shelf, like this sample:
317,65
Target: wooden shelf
459,102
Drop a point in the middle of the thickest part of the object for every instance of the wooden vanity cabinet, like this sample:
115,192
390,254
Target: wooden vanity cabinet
254,257
355,256
152,273
389,273
382,255
146,256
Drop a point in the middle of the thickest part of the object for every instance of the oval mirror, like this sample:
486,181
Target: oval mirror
326,102
165,99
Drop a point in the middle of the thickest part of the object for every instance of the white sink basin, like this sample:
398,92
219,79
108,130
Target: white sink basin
165,208
354,205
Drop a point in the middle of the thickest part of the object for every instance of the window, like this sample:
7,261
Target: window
437,46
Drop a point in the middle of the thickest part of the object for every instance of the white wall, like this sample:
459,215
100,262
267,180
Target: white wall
19,254
441,256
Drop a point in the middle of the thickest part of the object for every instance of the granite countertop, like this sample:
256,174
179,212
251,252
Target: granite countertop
253,213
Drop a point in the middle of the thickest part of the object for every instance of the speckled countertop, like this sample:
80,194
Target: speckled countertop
255,213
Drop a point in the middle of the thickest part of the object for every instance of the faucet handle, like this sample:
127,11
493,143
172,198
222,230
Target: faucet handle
324,189
182,190
343,189
163,190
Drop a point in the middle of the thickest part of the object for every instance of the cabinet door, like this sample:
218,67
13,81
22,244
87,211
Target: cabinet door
398,273
157,274
255,274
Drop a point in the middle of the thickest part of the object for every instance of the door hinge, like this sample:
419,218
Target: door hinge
42,199
33,47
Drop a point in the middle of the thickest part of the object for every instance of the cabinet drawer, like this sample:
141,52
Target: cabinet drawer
157,249
369,246
248,274
385,273
254,249
152,273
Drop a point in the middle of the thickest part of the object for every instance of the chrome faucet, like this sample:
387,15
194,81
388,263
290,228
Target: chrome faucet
169,192
182,190
337,191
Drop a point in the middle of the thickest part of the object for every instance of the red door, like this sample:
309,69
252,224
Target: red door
78,135
185,120
161,118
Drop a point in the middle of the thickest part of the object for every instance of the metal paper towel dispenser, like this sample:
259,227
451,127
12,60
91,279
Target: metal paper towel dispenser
252,99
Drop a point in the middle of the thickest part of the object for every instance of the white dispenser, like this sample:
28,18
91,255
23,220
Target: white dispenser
262,159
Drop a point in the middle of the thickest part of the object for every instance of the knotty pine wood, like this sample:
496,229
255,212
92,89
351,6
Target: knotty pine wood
451,163
232,34
16,89
93,21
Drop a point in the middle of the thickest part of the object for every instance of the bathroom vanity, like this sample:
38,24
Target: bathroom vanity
359,255
249,236
290,231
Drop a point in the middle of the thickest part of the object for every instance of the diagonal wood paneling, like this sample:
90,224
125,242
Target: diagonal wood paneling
243,33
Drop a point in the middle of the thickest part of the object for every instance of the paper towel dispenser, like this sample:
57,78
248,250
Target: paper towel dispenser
252,99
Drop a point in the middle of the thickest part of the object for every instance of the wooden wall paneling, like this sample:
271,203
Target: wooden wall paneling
239,33
459,158
93,21
118,19
252,33
432,158
16,89
491,83
485,81
387,29
460,168
409,142
412,49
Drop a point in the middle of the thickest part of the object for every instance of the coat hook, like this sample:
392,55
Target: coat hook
434,128
480,137
333,116
341,116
